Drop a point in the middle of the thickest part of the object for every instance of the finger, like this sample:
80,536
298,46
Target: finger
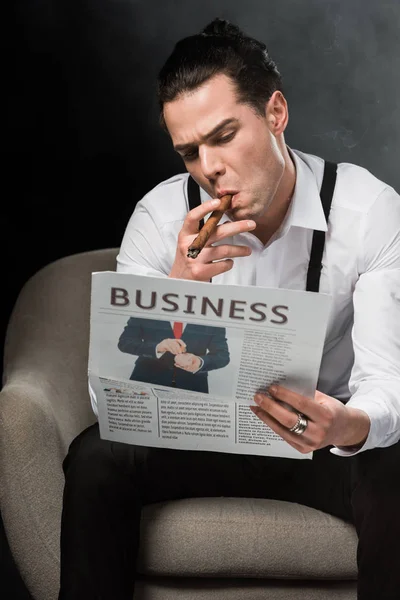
181,359
173,346
182,344
300,403
223,251
205,272
279,429
231,228
165,346
162,345
286,417
191,222
183,367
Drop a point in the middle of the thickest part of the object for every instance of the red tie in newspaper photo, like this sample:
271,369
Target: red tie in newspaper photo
178,329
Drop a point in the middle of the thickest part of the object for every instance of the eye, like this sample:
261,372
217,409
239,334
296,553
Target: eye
226,138
190,155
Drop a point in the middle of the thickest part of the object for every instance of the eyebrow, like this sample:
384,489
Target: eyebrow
217,129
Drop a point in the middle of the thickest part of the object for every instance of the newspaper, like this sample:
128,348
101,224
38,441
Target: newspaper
193,391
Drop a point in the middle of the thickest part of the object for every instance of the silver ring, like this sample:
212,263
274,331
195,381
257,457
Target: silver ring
300,426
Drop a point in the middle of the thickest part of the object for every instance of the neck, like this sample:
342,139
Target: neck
277,211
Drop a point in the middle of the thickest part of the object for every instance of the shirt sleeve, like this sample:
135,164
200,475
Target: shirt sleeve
142,251
375,378
149,243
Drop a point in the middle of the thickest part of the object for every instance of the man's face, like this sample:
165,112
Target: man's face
227,147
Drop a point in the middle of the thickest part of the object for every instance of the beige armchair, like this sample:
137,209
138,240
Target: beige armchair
197,549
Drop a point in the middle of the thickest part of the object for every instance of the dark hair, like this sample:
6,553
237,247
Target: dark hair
220,48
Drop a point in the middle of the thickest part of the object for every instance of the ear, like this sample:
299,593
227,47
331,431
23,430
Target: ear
277,113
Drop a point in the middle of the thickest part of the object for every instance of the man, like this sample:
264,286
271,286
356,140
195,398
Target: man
174,354
222,104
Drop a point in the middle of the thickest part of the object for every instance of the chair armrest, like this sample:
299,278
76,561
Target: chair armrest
44,404
31,454
47,338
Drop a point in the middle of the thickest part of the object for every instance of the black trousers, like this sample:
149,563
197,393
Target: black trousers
107,483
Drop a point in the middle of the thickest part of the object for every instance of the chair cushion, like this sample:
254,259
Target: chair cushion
243,537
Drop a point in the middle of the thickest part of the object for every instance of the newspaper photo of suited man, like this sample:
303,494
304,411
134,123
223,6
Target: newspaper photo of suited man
173,353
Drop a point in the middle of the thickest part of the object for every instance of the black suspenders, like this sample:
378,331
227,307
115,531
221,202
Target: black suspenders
318,240
194,196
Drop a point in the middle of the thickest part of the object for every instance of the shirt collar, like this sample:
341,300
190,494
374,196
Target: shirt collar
305,209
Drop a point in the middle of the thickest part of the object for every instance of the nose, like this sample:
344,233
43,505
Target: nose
211,163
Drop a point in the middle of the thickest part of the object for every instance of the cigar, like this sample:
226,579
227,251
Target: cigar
209,227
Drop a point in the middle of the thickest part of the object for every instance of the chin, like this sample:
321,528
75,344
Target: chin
239,213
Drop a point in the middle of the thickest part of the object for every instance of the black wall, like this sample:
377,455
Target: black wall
82,142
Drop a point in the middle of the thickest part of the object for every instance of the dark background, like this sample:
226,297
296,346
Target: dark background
81,141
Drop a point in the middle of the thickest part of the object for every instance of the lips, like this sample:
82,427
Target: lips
225,192
233,201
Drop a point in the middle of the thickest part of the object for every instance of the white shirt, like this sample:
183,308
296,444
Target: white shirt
360,269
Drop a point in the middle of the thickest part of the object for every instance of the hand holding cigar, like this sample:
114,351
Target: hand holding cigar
215,258
209,227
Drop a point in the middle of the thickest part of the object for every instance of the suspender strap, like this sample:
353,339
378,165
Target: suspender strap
318,241
194,196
